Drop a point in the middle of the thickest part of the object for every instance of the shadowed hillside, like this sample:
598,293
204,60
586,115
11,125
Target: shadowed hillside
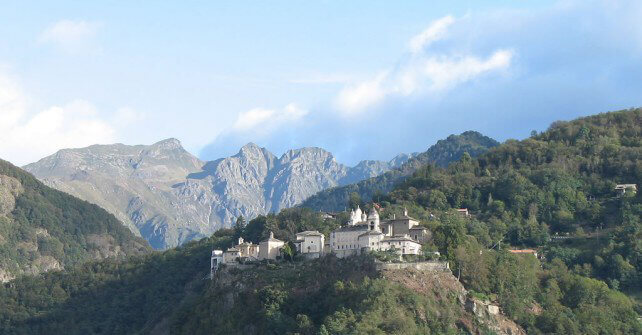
43,229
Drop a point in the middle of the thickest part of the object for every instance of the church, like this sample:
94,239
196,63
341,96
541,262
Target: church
365,233
361,234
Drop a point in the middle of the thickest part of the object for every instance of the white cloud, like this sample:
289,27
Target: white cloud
447,72
422,72
252,118
265,120
436,31
27,136
355,98
70,35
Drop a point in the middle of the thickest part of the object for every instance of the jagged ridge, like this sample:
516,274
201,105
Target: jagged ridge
168,196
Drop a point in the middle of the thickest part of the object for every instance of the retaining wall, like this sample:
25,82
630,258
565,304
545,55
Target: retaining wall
423,266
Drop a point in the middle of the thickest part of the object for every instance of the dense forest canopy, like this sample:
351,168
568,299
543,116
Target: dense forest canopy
557,183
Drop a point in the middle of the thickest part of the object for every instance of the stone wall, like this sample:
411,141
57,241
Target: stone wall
422,266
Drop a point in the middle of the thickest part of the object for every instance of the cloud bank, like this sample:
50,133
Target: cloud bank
257,125
501,72
27,135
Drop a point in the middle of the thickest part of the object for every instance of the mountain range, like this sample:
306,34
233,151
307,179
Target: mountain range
168,196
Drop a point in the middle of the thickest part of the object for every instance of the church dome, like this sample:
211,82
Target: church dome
373,214
357,213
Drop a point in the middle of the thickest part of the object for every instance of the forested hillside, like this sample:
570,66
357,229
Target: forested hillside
441,154
520,194
43,229
169,293
558,183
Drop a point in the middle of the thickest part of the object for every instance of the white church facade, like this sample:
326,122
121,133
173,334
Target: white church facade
364,233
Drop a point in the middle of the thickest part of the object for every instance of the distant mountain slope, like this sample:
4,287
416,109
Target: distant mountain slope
135,183
441,153
43,229
168,196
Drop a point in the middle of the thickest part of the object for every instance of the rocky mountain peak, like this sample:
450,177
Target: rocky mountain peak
398,160
308,154
250,147
252,151
168,196
168,144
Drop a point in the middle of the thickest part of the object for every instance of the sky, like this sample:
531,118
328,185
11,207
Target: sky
361,79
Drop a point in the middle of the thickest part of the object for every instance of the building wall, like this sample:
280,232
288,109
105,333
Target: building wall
420,234
402,227
370,241
403,247
312,244
423,266
216,261
230,257
345,240
249,250
269,249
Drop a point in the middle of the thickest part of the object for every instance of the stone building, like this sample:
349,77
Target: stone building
248,250
231,256
405,225
310,243
270,248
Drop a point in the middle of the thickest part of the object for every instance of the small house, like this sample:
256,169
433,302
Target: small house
621,189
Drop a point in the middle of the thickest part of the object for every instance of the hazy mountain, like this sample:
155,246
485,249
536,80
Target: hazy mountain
43,229
168,196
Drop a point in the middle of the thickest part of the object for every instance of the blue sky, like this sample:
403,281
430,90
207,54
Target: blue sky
362,79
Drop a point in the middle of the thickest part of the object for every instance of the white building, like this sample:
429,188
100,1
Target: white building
270,248
310,243
365,233
216,261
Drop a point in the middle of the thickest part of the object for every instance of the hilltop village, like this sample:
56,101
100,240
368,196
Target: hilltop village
361,234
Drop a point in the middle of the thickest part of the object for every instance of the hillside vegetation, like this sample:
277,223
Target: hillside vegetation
519,194
440,154
43,229
169,293
559,182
